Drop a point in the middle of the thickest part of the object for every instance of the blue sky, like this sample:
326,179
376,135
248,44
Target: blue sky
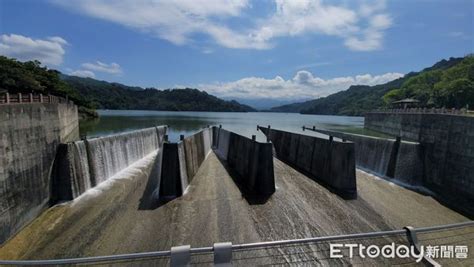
280,50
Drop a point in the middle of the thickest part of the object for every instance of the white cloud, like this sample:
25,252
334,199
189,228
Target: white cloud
49,51
371,38
361,27
83,73
303,85
112,68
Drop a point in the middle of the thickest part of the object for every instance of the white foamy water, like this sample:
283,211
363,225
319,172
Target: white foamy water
128,173
110,154
94,161
80,181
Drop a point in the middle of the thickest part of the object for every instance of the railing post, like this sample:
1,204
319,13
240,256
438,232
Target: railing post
413,240
223,254
180,256
31,98
268,134
49,98
20,98
7,98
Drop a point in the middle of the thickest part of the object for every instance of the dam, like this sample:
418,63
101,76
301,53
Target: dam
136,192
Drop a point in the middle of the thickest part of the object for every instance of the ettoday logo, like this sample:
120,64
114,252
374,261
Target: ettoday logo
392,251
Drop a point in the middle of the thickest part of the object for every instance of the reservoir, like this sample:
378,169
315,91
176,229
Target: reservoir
188,122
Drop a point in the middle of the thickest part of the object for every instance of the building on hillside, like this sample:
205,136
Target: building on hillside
406,103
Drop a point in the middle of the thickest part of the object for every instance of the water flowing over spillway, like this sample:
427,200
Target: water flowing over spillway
81,180
82,165
108,155
373,153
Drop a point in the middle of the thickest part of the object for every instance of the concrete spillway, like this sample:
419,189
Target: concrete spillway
108,220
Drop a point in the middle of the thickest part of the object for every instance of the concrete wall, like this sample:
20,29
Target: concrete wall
448,148
196,148
253,162
81,165
29,137
69,121
180,163
391,158
331,163
250,161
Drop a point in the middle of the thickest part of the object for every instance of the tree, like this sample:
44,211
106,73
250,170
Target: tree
393,95
450,87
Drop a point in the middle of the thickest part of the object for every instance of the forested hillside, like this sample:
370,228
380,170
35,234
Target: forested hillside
105,95
443,87
31,77
90,94
359,99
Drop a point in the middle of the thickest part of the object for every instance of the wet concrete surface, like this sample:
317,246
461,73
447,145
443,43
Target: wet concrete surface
107,220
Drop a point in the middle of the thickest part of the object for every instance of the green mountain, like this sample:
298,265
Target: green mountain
359,99
451,87
31,77
105,95
90,94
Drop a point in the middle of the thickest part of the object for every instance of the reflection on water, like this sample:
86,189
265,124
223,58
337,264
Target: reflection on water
114,121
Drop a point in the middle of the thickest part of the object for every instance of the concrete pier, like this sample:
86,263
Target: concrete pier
329,162
107,219
391,158
251,162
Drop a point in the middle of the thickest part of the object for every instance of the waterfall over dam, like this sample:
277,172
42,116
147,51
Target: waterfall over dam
81,165
108,219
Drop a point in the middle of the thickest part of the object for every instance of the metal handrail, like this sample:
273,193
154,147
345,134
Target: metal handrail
167,253
95,259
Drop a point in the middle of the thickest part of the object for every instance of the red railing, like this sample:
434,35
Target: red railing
20,98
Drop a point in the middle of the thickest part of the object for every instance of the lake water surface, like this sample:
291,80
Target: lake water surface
188,122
